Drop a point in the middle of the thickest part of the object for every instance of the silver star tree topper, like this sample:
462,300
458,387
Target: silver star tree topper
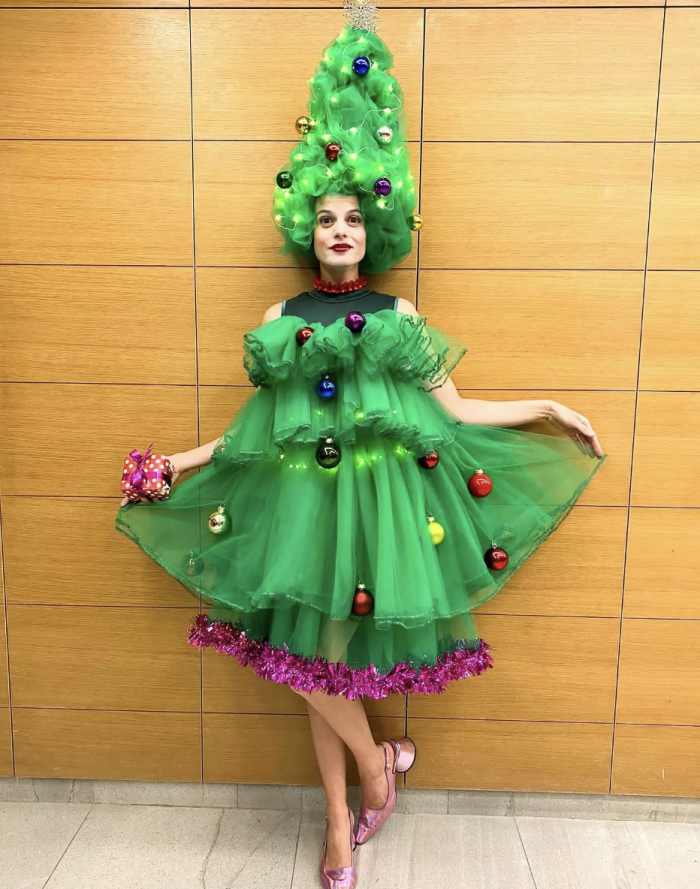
361,14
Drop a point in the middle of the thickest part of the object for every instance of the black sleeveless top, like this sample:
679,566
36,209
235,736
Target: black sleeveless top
316,305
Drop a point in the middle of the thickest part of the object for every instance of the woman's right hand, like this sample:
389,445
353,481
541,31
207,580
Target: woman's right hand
176,472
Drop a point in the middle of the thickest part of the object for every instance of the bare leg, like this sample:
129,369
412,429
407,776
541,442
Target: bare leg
336,721
330,754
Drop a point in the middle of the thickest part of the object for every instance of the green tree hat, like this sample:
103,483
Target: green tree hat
353,141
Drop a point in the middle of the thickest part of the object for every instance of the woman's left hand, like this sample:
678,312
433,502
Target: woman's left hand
577,427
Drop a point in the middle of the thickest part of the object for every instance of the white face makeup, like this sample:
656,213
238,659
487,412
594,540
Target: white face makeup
339,221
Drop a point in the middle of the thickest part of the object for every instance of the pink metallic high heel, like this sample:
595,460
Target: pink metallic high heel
339,877
372,819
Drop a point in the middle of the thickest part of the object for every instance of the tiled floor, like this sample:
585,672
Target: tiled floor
116,846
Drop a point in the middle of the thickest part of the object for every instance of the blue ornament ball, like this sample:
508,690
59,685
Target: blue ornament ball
361,65
326,388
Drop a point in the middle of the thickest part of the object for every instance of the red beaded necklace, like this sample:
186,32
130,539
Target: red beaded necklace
345,287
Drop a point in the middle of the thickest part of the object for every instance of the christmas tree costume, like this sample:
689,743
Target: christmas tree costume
347,525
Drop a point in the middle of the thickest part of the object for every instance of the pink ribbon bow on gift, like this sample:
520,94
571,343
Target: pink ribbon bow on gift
137,474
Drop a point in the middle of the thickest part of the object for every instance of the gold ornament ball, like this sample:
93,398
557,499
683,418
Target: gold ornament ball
415,220
437,532
218,521
304,124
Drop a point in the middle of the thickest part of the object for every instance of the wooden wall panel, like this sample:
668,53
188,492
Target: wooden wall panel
75,324
130,204
108,745
656,760
130,80
663,563
667,435
4,676
675,208
272,749
535,205
6,764
552,75
520,351
679,113
490,754
654,687
671,332
107,658
553,164
556,669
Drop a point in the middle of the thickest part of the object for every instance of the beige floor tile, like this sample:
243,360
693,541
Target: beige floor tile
426,851
33,837
138,847
588,854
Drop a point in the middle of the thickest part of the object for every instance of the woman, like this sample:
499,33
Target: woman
337,720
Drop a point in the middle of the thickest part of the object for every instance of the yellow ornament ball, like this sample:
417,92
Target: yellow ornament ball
437,532
304,124
218,521
415,221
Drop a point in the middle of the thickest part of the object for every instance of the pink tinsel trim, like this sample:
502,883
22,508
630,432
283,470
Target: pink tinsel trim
298,672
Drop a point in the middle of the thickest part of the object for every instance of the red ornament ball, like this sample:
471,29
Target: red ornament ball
496,558
362,601
303,334
480,484
429,460
333,149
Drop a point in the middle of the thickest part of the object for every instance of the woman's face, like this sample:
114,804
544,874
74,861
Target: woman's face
339,221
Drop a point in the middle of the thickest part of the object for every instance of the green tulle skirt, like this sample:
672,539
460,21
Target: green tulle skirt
278,584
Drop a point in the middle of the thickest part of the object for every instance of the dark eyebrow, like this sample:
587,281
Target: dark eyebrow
330,212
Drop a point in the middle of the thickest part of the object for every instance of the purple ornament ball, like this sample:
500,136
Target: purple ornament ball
382,186
355,321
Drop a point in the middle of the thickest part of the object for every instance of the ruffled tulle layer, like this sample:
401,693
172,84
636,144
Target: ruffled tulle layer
404,346
318,674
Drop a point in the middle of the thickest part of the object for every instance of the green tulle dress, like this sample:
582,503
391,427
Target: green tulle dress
328,576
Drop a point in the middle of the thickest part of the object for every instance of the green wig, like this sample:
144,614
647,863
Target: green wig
353,142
